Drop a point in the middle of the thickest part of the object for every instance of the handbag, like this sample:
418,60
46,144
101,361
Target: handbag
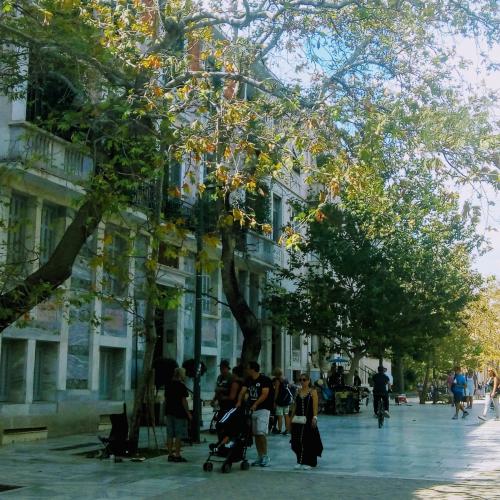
299,419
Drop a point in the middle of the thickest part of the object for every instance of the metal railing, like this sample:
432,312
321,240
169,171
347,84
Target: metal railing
41,149
261,248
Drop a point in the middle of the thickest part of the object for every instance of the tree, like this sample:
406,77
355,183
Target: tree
389,273
131,84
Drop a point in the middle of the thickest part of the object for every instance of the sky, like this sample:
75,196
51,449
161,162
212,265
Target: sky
476,76
488,264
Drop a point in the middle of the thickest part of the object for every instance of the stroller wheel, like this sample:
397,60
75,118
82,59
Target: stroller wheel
226,467
244,465
208,466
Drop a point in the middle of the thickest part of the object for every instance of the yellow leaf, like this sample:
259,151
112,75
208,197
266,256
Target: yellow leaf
174,192
228,220
211,240
201,188
267,228
237,214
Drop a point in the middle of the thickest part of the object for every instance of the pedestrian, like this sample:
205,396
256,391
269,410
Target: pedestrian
380,390
449,383
282,400
492,394
391,380
260,398
331,380
470,388
306,440
177,414
222,387
458,388
339,380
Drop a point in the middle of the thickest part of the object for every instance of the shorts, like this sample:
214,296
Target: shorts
281,411
458,397
177,427
260,422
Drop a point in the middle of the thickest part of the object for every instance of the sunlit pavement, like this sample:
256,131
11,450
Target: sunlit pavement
419,453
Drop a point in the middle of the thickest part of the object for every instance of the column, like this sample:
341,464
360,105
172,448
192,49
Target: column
30,370
219,315
95,329
64,332
127,383
5,195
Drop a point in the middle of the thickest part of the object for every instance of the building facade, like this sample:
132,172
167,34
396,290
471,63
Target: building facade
75,358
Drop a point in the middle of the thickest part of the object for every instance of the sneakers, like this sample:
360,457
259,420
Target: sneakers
455,417
465,414
297,466
306,467
265,461
275,431
257,462
480,417
284,433
386,414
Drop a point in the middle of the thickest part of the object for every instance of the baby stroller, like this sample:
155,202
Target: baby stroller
117,443
235,431
327,400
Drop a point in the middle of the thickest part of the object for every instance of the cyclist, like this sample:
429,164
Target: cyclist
381,386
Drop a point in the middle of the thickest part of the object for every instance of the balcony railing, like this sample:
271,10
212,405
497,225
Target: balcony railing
261,248
43,150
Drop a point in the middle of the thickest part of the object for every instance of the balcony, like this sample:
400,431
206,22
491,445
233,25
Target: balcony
259,247
45,151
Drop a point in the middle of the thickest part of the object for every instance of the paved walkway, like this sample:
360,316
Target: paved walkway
419,454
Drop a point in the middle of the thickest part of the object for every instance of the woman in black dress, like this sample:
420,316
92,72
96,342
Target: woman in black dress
306,441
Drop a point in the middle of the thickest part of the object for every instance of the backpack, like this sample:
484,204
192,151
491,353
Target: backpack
285,396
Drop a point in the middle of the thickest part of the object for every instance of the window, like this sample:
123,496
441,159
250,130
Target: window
45,373
17,251
115,263
175,174
254,293
111,373
209,292
277,217
206,302
51,219
12,371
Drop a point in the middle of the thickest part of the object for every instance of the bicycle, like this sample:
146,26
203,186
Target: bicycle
380,411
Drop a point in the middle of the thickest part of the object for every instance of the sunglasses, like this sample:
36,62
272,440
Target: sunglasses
304,379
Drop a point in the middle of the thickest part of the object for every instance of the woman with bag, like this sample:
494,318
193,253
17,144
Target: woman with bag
306,441
492,394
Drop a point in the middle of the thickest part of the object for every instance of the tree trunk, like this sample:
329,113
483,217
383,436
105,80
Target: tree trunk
423,393
145,377
42,283
356,358
247,321
398,374
150,336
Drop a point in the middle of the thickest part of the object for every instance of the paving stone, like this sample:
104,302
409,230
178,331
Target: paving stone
420,453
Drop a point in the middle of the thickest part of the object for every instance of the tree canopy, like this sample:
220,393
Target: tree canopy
148,83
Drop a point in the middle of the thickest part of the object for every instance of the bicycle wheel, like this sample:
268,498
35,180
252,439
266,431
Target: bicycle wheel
380,413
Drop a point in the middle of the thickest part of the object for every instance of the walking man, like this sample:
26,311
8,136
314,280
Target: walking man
458,388
259,388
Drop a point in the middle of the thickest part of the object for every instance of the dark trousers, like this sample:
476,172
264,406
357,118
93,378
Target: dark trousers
385,398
